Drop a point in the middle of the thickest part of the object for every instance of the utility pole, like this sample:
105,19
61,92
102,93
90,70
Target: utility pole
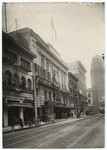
5,14
34,97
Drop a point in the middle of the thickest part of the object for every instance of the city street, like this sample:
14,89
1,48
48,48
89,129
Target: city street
73,133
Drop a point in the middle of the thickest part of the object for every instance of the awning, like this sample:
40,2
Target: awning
26,105
69,107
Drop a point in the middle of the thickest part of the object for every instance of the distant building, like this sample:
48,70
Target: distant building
90,98
79,71
74,93
97,80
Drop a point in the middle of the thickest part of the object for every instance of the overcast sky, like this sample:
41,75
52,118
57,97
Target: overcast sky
80,27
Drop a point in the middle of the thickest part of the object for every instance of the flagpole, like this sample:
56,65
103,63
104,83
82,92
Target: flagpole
51,30
5,17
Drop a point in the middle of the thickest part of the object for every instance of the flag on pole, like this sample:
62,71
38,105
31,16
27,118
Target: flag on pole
53,27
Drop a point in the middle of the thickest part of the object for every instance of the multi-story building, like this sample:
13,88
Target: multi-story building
74,93
18,98
97,80
79,71
51,76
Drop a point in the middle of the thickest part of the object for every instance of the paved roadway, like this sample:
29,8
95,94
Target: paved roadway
73,133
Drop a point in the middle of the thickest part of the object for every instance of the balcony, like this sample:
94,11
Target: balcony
56,85
45,83
25,65
74,85
50,103
10,57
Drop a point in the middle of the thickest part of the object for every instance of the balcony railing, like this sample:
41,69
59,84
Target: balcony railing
25,65
50,103
10,57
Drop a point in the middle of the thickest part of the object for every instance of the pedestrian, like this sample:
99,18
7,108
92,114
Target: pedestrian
12,123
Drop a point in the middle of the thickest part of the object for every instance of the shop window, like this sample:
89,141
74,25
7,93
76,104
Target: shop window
16,80
8,79
29,83
23,83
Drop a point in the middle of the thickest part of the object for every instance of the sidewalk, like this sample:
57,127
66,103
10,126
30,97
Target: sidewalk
17,127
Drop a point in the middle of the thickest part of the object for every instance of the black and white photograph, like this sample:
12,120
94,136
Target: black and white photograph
53,75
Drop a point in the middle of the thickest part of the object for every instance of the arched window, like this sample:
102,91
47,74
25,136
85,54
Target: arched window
8,79
16,80
23,83
29,83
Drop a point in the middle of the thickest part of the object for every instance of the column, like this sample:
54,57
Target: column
21,113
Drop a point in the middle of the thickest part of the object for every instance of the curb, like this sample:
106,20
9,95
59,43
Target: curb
4,132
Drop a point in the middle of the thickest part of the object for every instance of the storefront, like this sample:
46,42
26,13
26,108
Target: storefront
14,105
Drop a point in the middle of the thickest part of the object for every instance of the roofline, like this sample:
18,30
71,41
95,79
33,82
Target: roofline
28,51
82,65
35,36
73,76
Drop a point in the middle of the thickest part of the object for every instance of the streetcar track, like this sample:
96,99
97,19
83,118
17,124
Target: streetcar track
78,139
39,130
52,140
59,136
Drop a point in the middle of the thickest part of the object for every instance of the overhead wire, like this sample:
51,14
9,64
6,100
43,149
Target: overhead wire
11,26
37,21
35,18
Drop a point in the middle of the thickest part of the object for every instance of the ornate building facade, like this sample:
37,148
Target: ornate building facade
77,69
18,99
51,77
74,93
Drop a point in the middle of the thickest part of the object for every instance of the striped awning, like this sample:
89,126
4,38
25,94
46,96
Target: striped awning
26,105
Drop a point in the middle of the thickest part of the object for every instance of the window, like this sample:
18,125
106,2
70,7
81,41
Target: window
8,79
29,84
10,56
23,83
25,64
43,61
89,101
36,91
16,80
71,90
49,96
70,82
64,100
45,95
47,64
36,67
53,96
48,76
